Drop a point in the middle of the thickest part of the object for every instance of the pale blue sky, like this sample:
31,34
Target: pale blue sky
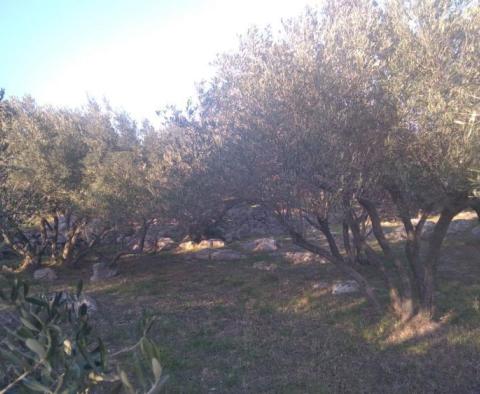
139,54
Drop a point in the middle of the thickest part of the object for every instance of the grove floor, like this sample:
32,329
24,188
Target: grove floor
227,327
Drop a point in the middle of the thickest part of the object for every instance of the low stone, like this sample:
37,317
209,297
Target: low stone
102,271
186,246
264,266
211,243
165,244
44,274
298,258
260,245
349,286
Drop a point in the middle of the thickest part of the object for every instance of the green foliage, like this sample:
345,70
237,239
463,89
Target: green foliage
53,348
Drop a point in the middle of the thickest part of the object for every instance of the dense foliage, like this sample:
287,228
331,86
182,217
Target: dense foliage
353,112
50,347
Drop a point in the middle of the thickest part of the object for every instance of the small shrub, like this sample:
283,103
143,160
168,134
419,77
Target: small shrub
50,347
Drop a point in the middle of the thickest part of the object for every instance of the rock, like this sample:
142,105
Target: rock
476,232
205,244
260,245
297,258
349,286
186,246
101,271
246,221
211,243
165,244
44,274
264,266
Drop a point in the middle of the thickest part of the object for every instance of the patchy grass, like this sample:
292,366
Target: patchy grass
230,328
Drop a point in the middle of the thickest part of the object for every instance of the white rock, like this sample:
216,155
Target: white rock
211,244
165,244
260,245
45,274
186,246
349,286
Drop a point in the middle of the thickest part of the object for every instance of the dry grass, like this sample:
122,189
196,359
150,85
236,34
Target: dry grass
231,328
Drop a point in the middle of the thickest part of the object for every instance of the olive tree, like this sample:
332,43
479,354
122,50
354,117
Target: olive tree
352,112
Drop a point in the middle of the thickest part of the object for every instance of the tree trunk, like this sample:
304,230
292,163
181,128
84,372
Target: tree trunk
431,259
407,293
55,236
143,233
338,261
346,242
396,301
72,238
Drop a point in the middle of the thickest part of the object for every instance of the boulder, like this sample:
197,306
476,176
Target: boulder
186,246
102,271
211,243
349,286
246,221
165,244
260,245
298,258
44,274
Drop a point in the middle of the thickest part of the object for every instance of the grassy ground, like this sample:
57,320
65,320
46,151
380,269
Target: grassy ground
231,328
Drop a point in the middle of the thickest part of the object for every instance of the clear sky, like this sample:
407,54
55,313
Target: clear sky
139,54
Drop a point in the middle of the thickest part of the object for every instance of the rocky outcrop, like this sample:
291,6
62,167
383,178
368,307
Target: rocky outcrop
246,221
